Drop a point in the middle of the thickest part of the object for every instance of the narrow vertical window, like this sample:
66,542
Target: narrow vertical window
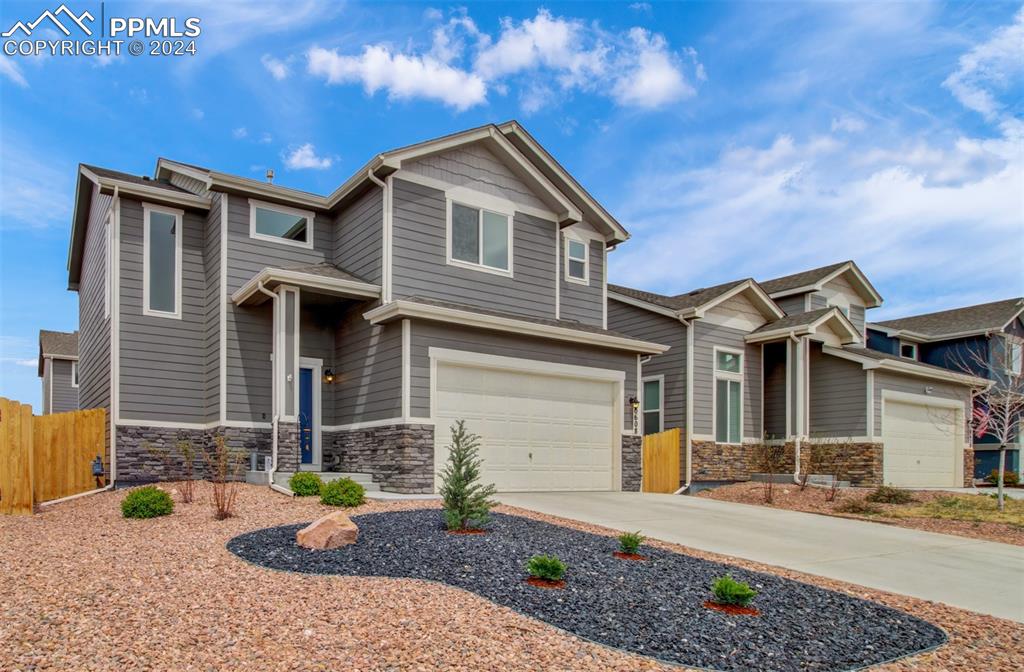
577,261
652,406
728,396
1014,357
74,374
162,262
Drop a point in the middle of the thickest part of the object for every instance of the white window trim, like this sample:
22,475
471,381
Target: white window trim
471,200
284,209
74,374
726,375
1011,344
585,280
661,403
913,345
147,209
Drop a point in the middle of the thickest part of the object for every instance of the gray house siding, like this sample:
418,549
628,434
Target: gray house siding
369,368
419,258
643,324
358,245
211,263
885,380
838,396
818,301
857,318
706,337
93,327
316,340
774,356
793,305
64,396
432,334
583,303
162,361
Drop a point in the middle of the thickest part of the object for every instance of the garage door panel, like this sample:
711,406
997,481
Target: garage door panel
922,444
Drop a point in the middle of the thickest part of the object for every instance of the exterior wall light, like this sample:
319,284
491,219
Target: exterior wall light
328,375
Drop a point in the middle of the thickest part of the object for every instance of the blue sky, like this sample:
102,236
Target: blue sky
732,140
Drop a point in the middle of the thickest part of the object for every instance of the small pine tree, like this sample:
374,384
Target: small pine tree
466,501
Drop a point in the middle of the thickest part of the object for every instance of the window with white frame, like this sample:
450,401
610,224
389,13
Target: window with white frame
577,261
479,237
161,280
908,350
653,405
1014,356
280,224
74,374
728,396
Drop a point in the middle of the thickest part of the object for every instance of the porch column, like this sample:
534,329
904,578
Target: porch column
286,376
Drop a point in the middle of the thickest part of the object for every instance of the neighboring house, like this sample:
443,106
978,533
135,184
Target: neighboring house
986,339
58,369
784,361
459,278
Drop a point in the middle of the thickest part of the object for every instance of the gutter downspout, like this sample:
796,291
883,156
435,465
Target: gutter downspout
689,405
273,439
799,381
115,327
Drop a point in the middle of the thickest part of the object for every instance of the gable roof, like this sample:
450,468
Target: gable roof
695,302
57,344
873,359
816,278
967,321
808,323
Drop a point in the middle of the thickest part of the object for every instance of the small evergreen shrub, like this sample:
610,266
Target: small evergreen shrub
858,506
467,502
305,484
727,590
629,542
1010,478
547,567
147,502
886,494
342,492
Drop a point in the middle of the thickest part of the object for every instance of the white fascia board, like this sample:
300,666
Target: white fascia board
898,366
304,280
918,337
629,300
167,165
147,192
808,329
765,300
467,318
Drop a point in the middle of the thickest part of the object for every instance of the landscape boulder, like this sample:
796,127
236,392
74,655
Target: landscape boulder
331,531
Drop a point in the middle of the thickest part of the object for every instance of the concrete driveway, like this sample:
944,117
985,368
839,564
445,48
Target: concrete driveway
978,575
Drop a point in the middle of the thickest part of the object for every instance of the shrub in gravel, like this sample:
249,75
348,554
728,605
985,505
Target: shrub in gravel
547,567
147,502
467,502
305,484
1010,478
858,506
886,494
342,492
629,542
728,590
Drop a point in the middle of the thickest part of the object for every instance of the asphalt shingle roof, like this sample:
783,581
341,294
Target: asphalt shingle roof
874,354
801,279
796,320
325,270
135,179
983,317
696,297
56,344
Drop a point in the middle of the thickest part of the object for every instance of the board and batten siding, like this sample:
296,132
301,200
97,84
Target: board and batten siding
583,303
369,367
426,335
93,327
706,337
419,258
838,396
648,326
64,396
924,387
211,313
358,246
162,365
774,355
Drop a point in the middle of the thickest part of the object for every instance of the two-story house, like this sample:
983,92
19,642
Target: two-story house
459,278
58,370
784,361
986,340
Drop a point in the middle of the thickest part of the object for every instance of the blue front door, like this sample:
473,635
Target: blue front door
306,414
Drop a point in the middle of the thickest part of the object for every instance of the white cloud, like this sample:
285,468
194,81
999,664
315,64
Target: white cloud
305,156
266,138
651,76
848,124
34,185
10,70
239,133
990,68
197,114
34,363
402,76
277,68
644,7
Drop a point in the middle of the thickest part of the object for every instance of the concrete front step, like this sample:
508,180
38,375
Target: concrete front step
365,480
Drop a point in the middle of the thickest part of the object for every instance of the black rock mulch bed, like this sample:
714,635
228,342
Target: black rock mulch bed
651,608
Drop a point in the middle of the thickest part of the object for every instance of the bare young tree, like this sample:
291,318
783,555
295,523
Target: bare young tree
770,458
186,453
998,410
225,468
831,455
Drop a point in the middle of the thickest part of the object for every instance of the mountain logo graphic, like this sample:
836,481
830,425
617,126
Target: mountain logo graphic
52,17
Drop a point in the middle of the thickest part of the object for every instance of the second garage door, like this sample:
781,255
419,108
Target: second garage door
538,432
923,444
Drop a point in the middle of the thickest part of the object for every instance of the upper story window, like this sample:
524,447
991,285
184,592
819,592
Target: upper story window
908,350
1014,356
280,224
577,261
74,374
161,278
479,238
728,396
652,405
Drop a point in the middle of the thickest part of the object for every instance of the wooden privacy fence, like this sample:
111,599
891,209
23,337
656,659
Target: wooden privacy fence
46,457
661,461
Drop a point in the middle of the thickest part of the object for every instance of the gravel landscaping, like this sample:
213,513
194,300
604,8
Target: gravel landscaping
652,608
81,588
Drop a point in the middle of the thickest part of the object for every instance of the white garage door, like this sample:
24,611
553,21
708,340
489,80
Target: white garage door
538,432
922,444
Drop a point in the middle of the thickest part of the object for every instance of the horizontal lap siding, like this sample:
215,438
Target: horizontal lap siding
897,382
434,334
706,337
818,302
369,368
793,305
65,397
584,303
211,260
421,268
838,396
317,341
162,361
93,327
648,326
774,355
358,247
